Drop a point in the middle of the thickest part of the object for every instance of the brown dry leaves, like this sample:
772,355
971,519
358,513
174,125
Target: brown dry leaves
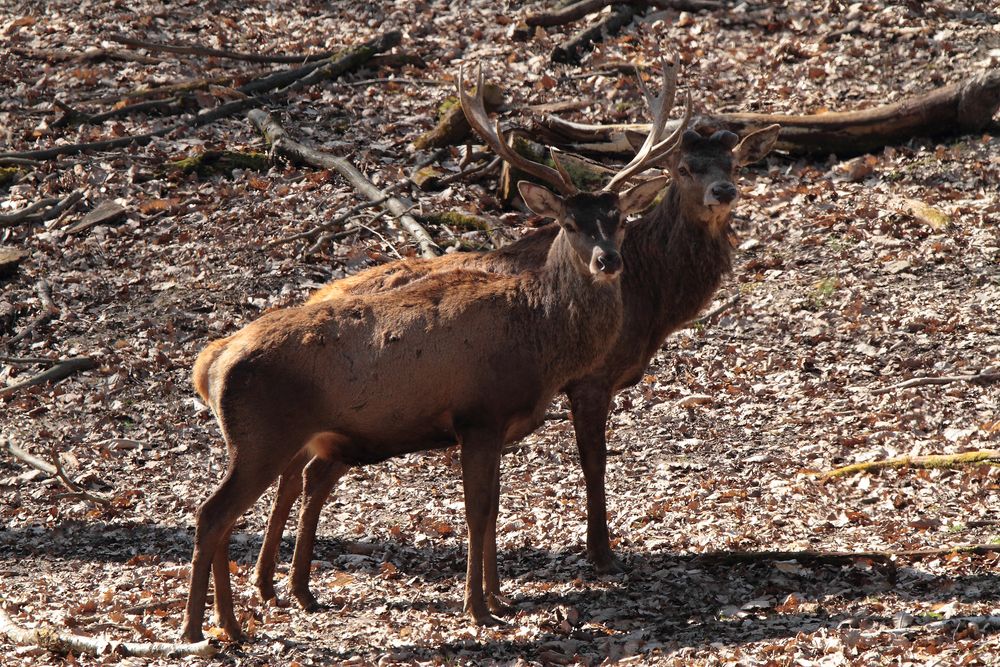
853,276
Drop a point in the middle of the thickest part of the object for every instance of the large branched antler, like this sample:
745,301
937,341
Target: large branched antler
656,147
475,113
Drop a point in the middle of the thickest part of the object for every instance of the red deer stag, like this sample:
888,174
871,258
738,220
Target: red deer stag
675,257
460,356
528,253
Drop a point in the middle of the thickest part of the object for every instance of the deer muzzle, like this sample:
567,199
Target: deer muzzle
605,263
721,193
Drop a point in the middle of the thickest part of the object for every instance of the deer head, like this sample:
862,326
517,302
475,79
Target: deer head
592,220
704,170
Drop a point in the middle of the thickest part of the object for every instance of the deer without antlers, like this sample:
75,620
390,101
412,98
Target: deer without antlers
460,356
675,257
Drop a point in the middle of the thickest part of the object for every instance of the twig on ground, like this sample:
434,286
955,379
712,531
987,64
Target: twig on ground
281,144
7,359
198,50
53,208
61,370
63,643
278,84
53,469
978,457
18,162
475,170
72,486
332,223
44,291
380,236
707,317
981,377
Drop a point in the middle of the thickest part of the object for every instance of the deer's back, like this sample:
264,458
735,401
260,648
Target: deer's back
528,252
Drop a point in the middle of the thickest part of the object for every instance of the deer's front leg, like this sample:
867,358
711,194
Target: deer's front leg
591,405
480,468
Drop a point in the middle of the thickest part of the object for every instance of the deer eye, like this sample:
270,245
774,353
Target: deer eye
684,171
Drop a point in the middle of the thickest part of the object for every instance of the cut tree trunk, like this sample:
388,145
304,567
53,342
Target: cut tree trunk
959,108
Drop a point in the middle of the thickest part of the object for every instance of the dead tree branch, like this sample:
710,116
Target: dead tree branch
198,50
960,108
72,486
281,144
707,317
53,469
63,643
978,457
278,84
979,378
61,370
573,49
53,208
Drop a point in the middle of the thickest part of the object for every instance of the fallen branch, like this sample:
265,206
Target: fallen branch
572,49
930,461
72,486
980,378
30,459
280,84
53,469
63,643
281,144
53,208
18,162
60,371
578,10
197,50
707,317
960,108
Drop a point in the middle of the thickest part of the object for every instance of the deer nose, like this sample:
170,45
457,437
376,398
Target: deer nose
721,192
609,263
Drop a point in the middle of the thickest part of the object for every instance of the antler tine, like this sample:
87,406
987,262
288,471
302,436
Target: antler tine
670,144
475,112
659,106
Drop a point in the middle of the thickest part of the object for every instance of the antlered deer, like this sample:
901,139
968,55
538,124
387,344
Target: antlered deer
675,256
460,356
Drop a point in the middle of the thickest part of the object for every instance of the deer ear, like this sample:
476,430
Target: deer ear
756,145
541,201
639,198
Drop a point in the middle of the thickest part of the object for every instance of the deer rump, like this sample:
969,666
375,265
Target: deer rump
361,379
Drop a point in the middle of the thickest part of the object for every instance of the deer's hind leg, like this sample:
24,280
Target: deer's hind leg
318,479
289,488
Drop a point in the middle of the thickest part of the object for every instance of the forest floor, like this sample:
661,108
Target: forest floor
844,292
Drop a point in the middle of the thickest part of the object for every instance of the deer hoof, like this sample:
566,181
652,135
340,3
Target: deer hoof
309,603
609,564
498,604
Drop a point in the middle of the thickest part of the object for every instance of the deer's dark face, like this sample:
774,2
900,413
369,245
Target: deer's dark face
593,222
704,171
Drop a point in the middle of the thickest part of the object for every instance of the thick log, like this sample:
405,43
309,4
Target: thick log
959,108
